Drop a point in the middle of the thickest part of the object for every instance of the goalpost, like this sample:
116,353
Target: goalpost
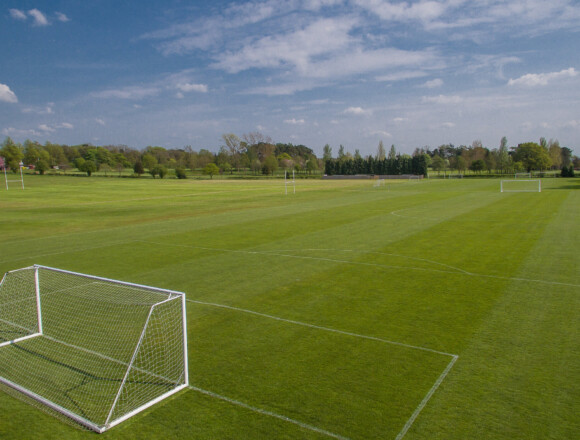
21,180
94,349
289,182
521,185
522,175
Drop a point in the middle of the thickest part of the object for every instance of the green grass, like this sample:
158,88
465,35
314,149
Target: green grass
433,309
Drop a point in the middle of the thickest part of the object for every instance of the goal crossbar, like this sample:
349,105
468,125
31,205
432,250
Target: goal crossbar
521,185
117,368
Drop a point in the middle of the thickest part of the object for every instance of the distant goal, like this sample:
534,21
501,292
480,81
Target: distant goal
521,185
96,350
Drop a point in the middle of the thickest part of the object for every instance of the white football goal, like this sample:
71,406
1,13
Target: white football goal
521,185
94,349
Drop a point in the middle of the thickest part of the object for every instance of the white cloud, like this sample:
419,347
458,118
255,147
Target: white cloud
38,17
381,133
66,125
404,11
295,49
100,121
401,76
47,128
542,79
186,87
17,14
61,17
7,95
48,110
442,99
131,92
294,121
358,111
448,125
434,83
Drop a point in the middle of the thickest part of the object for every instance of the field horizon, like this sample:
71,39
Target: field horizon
415,309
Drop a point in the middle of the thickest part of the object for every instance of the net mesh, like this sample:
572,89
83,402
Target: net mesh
105,348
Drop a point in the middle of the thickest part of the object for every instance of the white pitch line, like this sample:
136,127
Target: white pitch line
426,399
318,327
456,271
269,413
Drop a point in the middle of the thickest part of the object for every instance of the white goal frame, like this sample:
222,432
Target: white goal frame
538,189
21,180
520,175
289,182
165,376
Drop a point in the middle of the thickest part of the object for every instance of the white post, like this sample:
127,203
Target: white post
38,308
5,177
21,175
294,181
184,318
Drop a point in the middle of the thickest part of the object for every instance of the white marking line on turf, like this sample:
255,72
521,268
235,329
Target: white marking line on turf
456,271
426,399
373,253
268,413
421,405
318,327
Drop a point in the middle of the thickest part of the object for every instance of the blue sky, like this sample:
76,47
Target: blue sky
312,72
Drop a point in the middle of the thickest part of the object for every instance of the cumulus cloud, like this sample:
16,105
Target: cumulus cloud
17,14
38,17
294,121
131,92
542,79
7,95
433,84
358,111
442,99
186,87
61,17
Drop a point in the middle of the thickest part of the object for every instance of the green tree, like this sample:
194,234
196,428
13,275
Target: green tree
12,154
180,173
533,156
381,153
392,152
327,153
503,158
477,165
139,168
149,161
270,165
437,163
88,166
210,169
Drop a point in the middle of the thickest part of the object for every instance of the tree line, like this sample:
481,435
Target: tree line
257,154
528,156
252,152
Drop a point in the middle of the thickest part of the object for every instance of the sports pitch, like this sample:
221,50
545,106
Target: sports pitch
415,309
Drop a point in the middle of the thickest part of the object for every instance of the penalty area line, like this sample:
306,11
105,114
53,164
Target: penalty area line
268,413
426,399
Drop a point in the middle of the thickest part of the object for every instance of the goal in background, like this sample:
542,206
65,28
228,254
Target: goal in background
96,350
521,185
522,175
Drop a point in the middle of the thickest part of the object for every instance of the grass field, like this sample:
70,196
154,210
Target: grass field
417,310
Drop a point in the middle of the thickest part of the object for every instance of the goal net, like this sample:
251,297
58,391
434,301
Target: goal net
521,185
96,350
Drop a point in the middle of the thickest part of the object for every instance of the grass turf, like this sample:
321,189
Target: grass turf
334,311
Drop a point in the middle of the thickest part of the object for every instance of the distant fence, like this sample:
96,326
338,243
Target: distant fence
371,176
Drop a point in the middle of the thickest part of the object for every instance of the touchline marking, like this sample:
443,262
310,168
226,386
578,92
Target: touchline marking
456,271
318,327
268,413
